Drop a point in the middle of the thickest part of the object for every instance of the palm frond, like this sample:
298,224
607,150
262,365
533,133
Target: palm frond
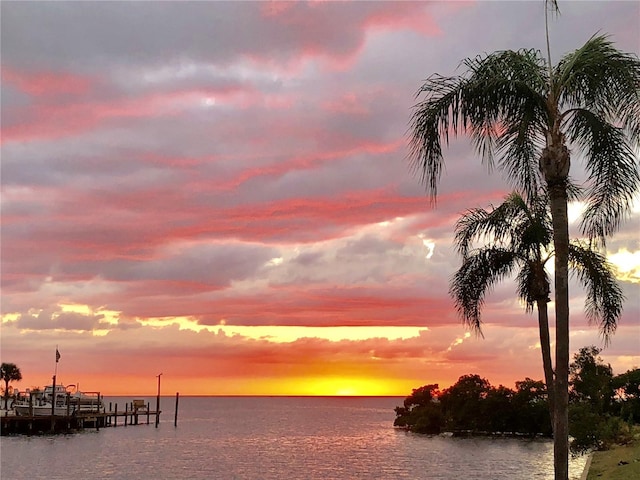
475,278
574,191
486,102
521,228
533,284
496,224
604,80
552,5
503,106
613,172
603,304
519,148
431,122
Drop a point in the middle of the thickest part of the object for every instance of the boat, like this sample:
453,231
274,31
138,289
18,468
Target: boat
68,401
84,401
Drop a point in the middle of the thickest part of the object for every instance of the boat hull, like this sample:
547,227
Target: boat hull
40,410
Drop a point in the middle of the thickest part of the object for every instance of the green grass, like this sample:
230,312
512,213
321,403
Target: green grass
606,465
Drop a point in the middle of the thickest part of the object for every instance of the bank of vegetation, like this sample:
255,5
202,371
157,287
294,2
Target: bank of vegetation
621,462
603,407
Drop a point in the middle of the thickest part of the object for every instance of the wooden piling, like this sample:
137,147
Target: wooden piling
98,411
158,402
175,418
53,405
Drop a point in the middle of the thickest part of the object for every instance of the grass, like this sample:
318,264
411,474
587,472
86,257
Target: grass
610,464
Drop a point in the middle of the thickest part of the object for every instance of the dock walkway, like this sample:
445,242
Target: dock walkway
132,414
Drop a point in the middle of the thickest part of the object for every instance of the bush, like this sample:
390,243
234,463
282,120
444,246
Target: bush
591,431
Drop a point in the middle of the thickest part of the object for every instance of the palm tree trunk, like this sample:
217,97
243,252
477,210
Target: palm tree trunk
545,347
558,202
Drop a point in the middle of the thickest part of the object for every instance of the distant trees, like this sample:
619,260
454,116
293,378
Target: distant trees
473,405
531,407
463,403
627,387
591,380
9,372
420,412
601,405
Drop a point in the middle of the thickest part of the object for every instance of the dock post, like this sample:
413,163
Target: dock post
148,408
158,402
175,418
53,405
115,416
126,413
98,414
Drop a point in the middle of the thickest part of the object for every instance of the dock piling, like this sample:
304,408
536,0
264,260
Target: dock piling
175,418
158,402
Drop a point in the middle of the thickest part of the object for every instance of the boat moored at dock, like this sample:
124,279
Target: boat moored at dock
57,400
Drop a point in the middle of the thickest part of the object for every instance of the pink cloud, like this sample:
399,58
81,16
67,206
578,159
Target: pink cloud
336,34
48,84
67,118
403,15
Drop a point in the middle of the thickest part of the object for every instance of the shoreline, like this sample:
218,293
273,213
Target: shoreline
587,466
620,462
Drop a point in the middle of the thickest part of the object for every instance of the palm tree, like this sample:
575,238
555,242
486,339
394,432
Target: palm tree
9,372
522,114
519,236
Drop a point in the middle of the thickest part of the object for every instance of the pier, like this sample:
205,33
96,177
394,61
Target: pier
130,414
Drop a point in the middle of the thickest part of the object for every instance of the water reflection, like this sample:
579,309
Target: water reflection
276,438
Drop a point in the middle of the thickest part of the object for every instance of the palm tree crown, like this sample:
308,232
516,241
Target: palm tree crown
516,112
518,235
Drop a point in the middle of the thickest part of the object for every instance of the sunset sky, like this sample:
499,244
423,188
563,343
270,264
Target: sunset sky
220,192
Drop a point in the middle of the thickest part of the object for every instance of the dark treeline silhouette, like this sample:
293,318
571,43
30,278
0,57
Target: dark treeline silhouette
602,406
473,405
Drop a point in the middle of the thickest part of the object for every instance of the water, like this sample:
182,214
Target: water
264,438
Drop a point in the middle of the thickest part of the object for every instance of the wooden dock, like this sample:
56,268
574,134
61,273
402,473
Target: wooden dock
134,413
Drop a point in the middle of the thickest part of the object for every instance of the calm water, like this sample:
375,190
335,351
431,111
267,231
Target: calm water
261,438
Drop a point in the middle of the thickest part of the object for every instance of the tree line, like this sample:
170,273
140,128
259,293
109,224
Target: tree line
602,406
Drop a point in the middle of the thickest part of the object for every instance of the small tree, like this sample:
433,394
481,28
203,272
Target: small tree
532,405
592,422
9,372
627,387
421,413
591,380
499,410
462,403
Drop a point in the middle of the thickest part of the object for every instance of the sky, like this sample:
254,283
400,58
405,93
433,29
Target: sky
221,192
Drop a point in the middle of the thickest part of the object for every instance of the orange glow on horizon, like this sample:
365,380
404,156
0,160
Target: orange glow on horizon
321,386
